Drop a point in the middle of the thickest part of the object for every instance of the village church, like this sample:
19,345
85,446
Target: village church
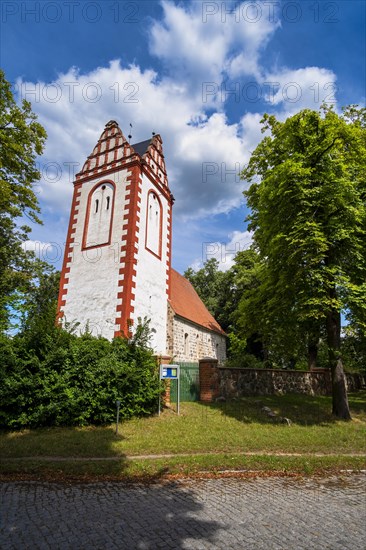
117,264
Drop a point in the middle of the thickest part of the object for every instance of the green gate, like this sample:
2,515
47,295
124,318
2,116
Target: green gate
189,383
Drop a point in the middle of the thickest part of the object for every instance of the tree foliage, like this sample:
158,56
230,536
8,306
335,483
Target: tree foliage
214,288
307,198
22,138
282,299
39,307
226,295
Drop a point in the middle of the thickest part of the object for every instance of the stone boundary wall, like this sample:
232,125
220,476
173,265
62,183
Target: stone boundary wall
238,382
216,382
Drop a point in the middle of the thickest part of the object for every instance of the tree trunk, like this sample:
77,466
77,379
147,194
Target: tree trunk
312,355
313,344
339,389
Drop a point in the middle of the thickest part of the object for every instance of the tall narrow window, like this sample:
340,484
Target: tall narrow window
153,224
98,223
186,345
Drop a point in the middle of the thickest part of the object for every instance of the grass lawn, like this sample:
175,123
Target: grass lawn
234,435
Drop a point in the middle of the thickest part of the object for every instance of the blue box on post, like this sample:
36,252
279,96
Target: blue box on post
170,372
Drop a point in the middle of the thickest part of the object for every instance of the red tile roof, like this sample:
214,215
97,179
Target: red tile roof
186,303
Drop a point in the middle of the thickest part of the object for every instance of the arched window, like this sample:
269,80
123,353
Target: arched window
98,222
153,224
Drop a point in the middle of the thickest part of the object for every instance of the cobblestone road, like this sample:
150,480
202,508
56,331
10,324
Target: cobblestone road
219,514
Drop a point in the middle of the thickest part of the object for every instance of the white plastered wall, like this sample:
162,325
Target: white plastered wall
92,289
151,277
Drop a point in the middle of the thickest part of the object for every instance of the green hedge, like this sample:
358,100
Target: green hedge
76,380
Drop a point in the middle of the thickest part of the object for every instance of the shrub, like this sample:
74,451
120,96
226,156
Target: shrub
76,381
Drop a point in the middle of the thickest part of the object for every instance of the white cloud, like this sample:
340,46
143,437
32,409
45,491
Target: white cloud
204,150
224,252
189,46
256,24
293,90
128,94
210,158
85,103
205,40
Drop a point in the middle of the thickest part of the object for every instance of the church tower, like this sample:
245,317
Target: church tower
118,250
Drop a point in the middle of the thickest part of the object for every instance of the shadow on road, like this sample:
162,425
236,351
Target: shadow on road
102,515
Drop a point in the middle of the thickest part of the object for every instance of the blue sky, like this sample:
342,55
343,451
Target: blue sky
200,73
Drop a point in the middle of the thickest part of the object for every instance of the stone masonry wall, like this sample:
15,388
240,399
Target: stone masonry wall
170,332
189,342
232,383
239,382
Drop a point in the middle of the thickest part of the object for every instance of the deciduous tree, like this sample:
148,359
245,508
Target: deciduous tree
308,213
213,287
21,140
